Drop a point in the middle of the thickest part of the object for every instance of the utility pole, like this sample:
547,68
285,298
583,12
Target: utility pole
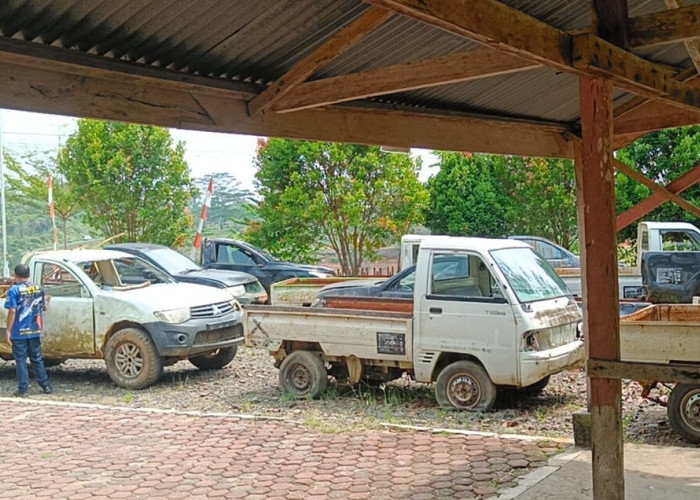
5,267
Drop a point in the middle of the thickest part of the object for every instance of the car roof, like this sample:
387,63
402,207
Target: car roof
83,255
135,245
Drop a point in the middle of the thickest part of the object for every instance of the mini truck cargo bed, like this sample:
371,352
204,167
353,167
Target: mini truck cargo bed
374,336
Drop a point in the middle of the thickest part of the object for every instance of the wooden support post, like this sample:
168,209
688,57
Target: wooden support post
596,184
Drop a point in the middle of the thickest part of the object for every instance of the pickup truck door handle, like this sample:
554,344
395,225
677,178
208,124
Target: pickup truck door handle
436,310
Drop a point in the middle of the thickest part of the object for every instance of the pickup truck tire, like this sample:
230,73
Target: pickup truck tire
684,411
465,385
303,374
215,360
132,360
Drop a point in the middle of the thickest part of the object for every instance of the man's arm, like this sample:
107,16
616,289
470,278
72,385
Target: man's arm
11,313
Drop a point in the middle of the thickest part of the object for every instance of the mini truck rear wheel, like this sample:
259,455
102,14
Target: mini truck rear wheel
465,385
303,374
684,411
132,360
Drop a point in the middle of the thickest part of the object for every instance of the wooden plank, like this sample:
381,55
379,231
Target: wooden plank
595,176
492,23
680,373
631,72
452,68
35,88
666,26
655,115
645,206
666,193
610,20
342,41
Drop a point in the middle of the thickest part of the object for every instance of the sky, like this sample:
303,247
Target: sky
205,152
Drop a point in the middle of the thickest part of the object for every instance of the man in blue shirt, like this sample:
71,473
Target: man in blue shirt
25,303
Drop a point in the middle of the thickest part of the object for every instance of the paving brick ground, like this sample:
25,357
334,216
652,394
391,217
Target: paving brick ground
73,452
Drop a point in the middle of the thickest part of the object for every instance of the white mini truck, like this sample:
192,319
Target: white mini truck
485,313
110,305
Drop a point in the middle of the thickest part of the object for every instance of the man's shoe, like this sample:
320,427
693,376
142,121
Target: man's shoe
47,389
20,394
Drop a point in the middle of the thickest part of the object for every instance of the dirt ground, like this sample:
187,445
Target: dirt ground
249,385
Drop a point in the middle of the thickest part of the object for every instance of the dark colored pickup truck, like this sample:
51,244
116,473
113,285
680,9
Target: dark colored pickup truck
243,286
225,253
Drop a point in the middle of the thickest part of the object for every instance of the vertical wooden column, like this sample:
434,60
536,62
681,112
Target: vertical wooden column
596,210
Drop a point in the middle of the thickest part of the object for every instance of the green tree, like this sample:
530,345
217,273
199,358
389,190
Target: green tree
354,198
229,204
662,156
28,186
542,194
132,182
466,196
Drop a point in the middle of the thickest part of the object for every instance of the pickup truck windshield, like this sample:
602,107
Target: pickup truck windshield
172,261
530,276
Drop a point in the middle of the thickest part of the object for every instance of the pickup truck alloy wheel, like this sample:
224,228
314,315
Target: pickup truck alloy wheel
215,360
132,360
684,411
465,385
303,374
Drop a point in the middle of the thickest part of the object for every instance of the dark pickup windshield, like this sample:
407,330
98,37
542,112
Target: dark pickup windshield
530,276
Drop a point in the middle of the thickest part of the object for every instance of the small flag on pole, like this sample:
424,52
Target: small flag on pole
205,206
52,212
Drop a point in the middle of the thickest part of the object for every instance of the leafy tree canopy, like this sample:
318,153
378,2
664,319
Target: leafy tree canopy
132,183
353,198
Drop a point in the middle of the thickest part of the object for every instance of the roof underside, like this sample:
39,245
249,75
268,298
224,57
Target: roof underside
241,47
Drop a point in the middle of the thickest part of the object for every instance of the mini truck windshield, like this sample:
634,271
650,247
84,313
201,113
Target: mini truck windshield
530,276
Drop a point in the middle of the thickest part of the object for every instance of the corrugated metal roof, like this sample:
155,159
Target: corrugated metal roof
260,40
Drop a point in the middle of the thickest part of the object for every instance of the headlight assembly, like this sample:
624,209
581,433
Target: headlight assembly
173,315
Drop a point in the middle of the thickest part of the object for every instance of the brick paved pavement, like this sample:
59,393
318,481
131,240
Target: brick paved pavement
77,452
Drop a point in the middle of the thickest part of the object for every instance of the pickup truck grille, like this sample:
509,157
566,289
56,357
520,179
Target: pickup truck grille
211,310
221,335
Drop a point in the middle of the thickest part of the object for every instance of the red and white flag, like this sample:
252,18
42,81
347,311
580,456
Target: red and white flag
205,207
52,212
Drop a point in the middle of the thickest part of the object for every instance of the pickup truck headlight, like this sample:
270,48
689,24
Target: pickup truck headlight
236,291
173,315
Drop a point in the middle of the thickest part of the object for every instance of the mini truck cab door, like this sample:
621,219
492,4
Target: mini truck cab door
464,311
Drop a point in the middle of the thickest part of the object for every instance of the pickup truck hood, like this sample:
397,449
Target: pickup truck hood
165,296
353,288
289,266
216,277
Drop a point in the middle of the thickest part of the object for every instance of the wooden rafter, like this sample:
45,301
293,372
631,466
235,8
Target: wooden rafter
452,68
692,46
343,40
645,206
611,21
496,24
666,26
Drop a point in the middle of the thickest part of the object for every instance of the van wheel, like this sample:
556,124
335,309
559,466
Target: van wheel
465,385
684,411
214,360
303,374
132,360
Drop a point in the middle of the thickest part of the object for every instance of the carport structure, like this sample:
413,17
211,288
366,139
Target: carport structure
551,78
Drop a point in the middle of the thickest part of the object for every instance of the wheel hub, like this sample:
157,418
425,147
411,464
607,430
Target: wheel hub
129,360
691,409
301,378
464,391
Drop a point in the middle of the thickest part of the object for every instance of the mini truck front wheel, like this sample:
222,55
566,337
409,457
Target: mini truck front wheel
465,385
132,360
303,374
684,411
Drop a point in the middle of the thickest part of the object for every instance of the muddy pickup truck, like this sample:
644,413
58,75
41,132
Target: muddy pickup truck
484,314
110,305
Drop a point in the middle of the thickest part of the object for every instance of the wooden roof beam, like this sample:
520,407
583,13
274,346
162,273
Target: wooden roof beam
593,55
673,25
514,32
443,70
343,40
692,46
